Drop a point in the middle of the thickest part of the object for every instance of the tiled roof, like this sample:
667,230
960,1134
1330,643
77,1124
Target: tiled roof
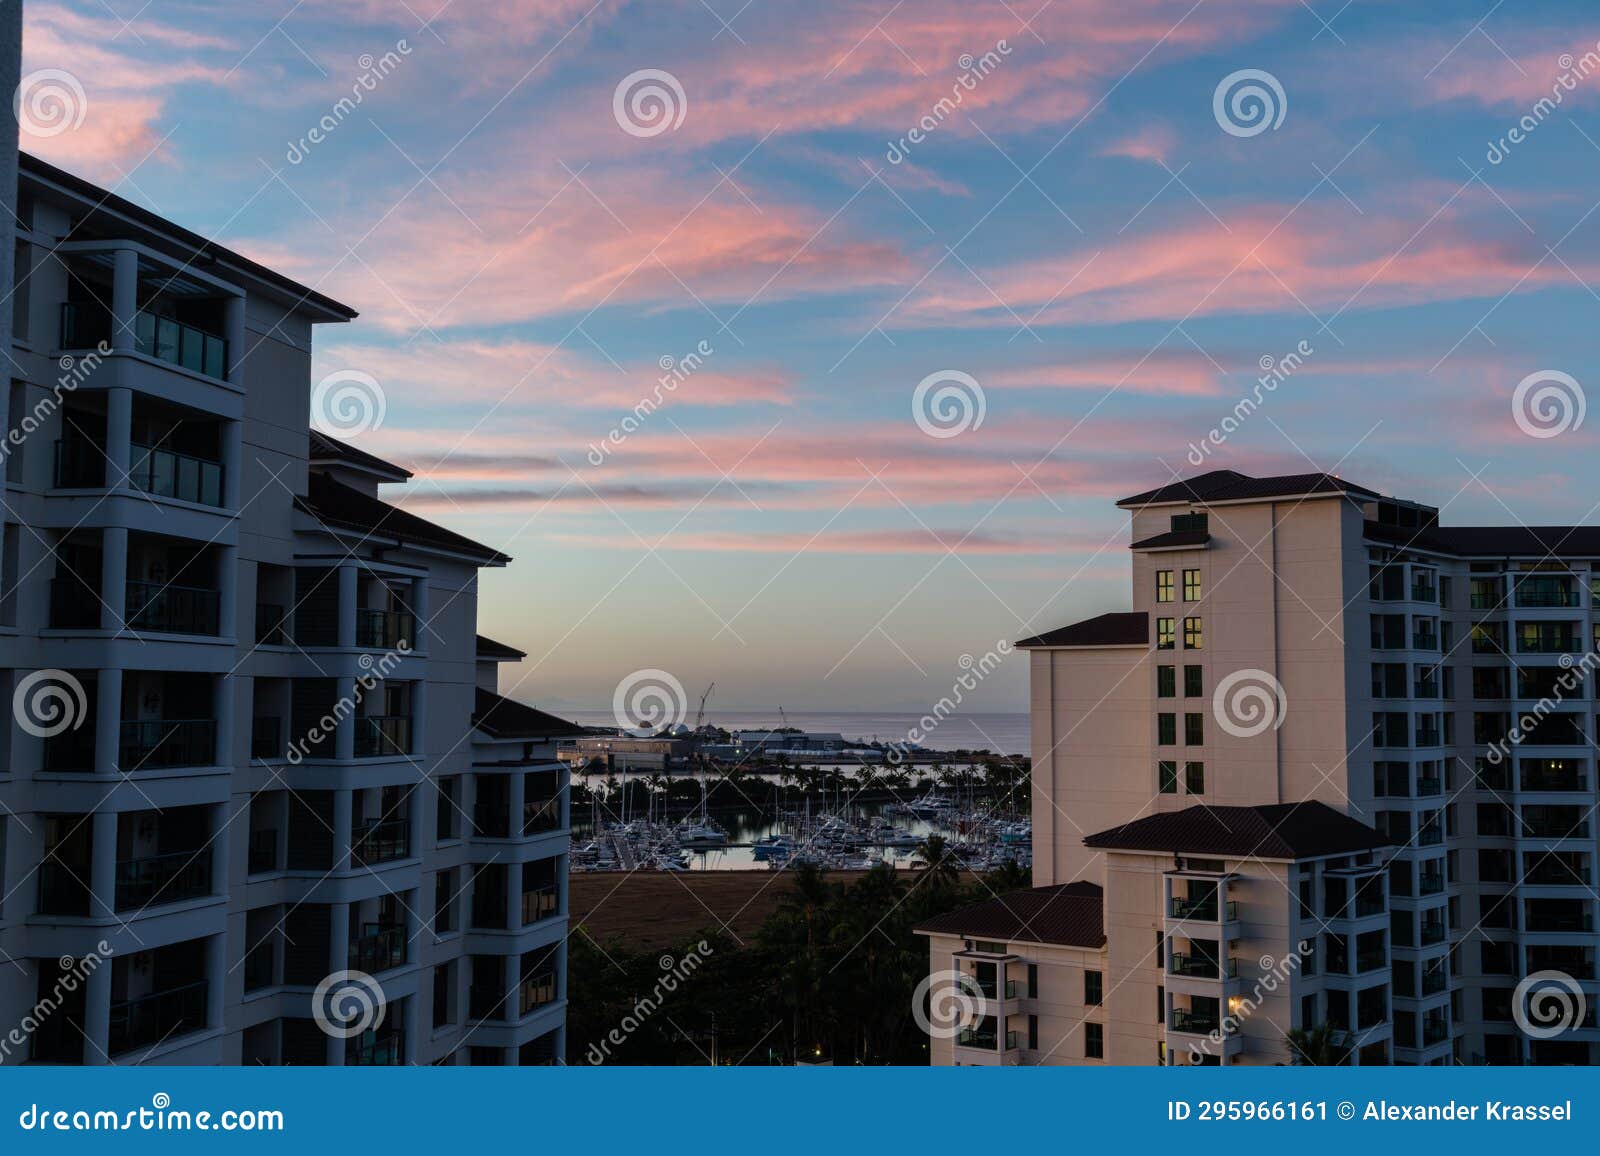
499,651
1172,540
506,718
1494,541
1232,486
1071,914
328,449
1280,831
340,506
1116,629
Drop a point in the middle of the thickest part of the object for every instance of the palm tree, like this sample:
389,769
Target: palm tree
939,859
1320,1046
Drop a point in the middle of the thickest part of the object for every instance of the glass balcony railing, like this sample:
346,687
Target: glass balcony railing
158,879
152,1019
150,744
380,841
987,1039
173,475
541,816
1203,910
169,609
1574,921
79,464
63,888
1193,1023
74,604
1434,1032
378,950
382,736
385,629
1545,597
1202,966
168,339
540,904
491,820
535,991
385,1049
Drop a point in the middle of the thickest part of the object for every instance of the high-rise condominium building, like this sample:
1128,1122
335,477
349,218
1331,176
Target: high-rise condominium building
1335,767
256,739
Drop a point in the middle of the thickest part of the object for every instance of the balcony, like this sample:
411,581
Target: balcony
272,624
1434,1032
1573,921
153,744
169,609
491,820
379,950
1202,967
158,879
542,904
486,1002
1371,961
184,477
385,1049
79,464
87,325
541,816
385,629
74,604
382,736
153,1019
1424,640
1194,1023
266,737
263,851
1203,910
534,992
1546,595
63,888
380,841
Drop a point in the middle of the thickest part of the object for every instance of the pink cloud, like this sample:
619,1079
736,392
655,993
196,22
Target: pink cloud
1163,373
1154,142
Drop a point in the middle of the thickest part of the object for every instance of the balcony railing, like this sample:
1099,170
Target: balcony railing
379,736
1434,1032
986,1038
1203,910
541,816
1430,884
1203,966
1573,922
1192,1024
74,604
80,464
71,750
272,624
379,950
487,1002
1555,829
173,475
1371,961
266,737
540,904
263,851
151,1019
157,879
536,991
387,1050
85,325
1424,640
171,609
63,888
491,820
385,629
380,841
1538,598
1433,981
150,744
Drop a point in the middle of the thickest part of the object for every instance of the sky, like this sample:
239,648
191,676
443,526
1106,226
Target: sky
911,292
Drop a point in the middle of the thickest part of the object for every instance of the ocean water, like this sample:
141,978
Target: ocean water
1004,733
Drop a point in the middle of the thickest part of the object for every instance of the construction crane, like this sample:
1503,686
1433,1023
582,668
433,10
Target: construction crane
784,717
700,715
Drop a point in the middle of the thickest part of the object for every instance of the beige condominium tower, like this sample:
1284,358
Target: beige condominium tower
1333,774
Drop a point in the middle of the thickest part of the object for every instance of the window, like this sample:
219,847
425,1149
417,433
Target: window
1189,523
1194,682
1094,1041
1167,730
449,807
1191,633
1169,777
1166,682
1165,635
1194,778
1033,1033
444,892
443,981
1092,988
1033,981
1191,585
1163,585
1194,730
1161,1003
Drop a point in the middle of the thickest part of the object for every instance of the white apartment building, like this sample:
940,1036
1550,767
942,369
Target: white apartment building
278,754
1335,767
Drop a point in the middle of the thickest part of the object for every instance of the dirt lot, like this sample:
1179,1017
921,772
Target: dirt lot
650,909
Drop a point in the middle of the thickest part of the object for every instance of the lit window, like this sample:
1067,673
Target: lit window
1191,585
1192,634
1163,585
1165,635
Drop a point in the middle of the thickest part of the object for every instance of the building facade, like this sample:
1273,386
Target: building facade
1359,743
261,802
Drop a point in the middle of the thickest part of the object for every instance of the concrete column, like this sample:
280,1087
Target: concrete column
124,299
96,1012
234,331
343,811
232,463
119,436
347,607
228,591
103,864
338,955
107,721
114,578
